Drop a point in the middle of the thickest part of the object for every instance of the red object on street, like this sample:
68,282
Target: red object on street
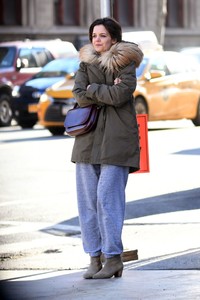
142,120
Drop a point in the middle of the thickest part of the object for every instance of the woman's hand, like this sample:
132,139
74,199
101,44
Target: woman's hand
117,80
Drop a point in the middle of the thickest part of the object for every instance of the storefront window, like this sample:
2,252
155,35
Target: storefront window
66,12
123,12
10,12
174,14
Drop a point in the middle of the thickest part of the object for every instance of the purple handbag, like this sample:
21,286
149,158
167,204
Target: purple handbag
81,120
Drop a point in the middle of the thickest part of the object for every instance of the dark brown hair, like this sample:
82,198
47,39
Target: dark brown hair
111,25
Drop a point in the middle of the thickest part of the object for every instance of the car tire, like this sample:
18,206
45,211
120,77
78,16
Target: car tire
56,130
27,124
140,106
5,110
196,121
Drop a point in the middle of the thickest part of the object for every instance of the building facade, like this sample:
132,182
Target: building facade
175,22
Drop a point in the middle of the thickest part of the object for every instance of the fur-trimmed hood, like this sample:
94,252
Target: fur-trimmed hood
117,57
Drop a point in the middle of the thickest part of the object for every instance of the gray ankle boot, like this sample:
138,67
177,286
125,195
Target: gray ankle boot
112,267
94,267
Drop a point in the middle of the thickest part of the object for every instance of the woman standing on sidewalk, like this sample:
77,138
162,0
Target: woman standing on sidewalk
105,156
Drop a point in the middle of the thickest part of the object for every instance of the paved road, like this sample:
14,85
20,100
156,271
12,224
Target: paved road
38,212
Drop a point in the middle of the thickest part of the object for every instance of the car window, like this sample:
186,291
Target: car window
59,67
140,69
177,63
42,56
34,57
158,63
7,56
191,63
192,53
27,58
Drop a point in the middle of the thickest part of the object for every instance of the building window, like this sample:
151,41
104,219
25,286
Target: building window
10,12
174,14
123,12
66,12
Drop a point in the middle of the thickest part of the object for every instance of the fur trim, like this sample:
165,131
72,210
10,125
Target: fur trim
88,54
118,56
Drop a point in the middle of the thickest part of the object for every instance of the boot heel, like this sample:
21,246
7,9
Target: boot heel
118,273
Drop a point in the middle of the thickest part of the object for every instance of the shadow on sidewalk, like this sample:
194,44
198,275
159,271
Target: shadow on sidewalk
180,201
183,260
172,202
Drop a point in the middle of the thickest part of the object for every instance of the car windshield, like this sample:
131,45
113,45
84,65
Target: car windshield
140,69
7,56
59,67
179,63
193,53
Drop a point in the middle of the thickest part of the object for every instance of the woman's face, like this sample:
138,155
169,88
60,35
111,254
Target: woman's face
101,39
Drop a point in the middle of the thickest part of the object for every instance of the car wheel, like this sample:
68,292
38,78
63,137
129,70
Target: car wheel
27,124
140,106
196,121
56,130
5,110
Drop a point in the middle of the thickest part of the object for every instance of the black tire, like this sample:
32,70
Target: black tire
140,106
5,110
56,130
196,121
26,124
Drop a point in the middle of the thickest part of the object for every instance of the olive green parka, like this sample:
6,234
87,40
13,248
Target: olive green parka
115,139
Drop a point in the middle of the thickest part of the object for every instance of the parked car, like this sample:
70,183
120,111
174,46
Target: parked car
54,105
30,91
167,89
20,60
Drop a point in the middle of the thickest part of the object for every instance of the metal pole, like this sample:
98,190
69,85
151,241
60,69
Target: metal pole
163,15
105,8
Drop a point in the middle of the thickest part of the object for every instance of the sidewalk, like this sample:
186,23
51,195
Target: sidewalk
67,285
168,266
42,261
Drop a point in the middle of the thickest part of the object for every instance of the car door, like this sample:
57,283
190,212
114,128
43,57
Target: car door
159,87
187,81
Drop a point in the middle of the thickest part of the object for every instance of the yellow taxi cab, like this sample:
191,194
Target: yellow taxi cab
168,88
54,104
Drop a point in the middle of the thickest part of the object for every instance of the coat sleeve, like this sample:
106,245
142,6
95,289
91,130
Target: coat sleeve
115,95
80,87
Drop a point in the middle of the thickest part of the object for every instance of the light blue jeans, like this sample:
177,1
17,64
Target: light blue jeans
101,205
